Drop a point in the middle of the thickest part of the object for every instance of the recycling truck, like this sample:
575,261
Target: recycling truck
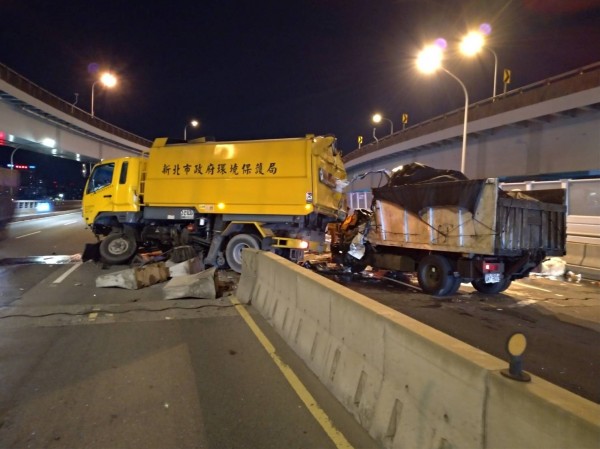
450,229
277,195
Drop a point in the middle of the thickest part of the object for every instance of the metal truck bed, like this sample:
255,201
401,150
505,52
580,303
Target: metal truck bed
468,217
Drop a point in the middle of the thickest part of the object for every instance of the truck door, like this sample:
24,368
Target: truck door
125,196
99,191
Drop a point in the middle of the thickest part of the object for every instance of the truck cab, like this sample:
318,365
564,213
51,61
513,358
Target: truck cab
113,187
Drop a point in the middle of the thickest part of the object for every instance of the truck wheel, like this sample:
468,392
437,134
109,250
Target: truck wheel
495,287
435,275
455,286
220,261
117,248
233,252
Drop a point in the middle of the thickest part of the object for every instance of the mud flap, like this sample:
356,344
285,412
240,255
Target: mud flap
91,252
213,251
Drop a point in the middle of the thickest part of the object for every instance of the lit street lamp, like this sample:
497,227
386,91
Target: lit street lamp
472,44
377,118
429,61
193,123
12,164
108,80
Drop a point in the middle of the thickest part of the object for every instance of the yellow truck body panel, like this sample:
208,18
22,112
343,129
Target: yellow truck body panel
275,177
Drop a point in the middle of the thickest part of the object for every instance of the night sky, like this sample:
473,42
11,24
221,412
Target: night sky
268,69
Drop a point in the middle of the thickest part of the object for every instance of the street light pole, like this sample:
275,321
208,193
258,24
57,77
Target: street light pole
109,80
429,61
193,123
92,107
391,124
495,68
12,165
464,137
377,118
472,44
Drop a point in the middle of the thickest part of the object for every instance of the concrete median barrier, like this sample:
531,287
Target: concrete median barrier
406,383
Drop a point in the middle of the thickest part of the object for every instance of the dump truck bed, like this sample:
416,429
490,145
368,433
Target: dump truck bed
473,216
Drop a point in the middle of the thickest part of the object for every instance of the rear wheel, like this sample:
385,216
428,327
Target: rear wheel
491,288
117,248
455,286
233,252
435,275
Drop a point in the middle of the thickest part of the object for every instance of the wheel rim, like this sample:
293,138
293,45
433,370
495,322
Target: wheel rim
118,246
237,252
433,275
233,253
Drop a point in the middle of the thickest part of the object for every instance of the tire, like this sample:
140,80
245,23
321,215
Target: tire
220,261
117,248
481,286
233,252
435,275
455,287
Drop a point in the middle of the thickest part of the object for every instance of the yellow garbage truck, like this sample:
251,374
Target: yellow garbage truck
277,195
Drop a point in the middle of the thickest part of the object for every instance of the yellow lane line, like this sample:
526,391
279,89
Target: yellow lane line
318,413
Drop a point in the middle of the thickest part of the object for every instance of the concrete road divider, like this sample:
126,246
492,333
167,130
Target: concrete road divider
406,383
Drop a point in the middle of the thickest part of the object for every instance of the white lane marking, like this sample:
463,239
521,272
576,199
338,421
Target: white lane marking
26,235
69,222
531,286
64,275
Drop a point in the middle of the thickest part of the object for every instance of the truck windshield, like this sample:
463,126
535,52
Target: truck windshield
100,177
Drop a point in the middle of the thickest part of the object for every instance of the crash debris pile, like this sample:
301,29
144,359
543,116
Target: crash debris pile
183,273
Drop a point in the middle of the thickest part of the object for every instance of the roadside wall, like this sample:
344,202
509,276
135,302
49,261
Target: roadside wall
406,383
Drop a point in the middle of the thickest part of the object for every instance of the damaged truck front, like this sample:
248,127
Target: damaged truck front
451,230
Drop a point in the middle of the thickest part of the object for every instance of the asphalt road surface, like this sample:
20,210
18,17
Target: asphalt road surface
82,366
115,368
91,367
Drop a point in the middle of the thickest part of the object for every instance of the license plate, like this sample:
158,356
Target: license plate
492,278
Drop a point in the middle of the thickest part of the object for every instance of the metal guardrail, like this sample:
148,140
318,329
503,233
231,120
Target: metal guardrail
579,79
25,208
30,88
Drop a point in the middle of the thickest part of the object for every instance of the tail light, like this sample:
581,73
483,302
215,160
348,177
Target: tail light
492,267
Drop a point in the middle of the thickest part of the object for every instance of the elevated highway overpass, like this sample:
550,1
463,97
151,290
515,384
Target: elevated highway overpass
548,128
30,115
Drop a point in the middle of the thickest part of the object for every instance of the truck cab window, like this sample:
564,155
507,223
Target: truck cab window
101,177
123,176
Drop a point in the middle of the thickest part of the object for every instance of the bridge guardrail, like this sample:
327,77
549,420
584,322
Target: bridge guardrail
27,208
582,78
